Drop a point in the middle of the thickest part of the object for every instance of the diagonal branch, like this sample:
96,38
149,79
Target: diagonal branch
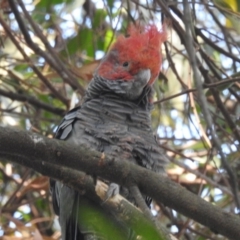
37,152
49,56
29,61
35,102
189,40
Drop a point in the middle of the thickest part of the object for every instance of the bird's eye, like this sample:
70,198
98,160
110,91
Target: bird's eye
125,64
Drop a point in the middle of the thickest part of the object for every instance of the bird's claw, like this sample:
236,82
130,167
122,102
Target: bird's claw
112,191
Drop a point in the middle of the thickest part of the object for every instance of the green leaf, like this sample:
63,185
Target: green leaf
227,4
198,146
47,4
109,38
110,5
84,41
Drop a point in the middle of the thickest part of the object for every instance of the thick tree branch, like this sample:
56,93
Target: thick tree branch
120,207
37,152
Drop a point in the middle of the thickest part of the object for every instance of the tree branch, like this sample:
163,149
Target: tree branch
34,68
189,40
39,153
35,102
50,55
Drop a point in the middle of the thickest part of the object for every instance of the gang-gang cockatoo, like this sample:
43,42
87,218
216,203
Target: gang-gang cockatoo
115,119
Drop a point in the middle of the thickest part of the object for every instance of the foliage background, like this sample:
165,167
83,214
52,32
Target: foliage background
48,53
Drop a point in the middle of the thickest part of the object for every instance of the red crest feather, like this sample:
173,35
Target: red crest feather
142,47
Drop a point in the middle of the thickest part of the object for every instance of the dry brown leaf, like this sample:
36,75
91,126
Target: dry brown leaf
86,71
39,183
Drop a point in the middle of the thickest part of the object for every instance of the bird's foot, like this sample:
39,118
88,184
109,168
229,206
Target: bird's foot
112,191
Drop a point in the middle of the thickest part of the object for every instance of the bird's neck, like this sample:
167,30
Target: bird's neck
100,88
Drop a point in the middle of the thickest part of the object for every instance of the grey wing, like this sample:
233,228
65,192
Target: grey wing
66,125
63,131
65,199
68,204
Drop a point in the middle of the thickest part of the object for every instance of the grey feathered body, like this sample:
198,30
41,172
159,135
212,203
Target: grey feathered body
112,124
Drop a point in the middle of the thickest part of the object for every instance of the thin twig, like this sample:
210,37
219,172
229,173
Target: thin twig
35,102
50,57
35,69
204,86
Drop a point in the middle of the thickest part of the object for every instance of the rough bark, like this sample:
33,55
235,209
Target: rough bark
47,155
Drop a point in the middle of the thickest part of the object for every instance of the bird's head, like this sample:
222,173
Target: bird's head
133,62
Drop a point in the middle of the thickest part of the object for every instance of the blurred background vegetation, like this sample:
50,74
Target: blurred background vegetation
48,52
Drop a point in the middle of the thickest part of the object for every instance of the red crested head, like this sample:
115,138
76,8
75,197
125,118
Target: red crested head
139,51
